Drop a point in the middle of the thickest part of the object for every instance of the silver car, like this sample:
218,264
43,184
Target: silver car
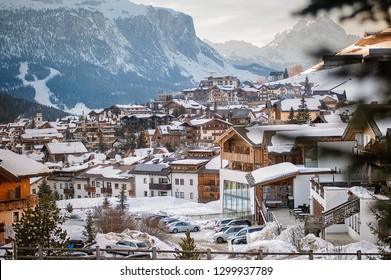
222,236
128,247
180,226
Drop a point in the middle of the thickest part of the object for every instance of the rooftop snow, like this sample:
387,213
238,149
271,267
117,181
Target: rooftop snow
67,148
20,165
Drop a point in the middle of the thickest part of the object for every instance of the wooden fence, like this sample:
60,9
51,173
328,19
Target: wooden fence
97,253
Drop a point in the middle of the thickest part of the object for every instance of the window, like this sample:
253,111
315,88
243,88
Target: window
116,186
191,195
182,195
123,186
79,196
15,217
60,186
191,182
145,181
33,191
152,193
79,186
145,193
177,194
66,185
108,185
182,182
93,183
176,181
55,185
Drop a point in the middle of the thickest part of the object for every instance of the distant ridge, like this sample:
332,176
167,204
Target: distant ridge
11,108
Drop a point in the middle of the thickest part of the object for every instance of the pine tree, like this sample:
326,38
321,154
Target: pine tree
188,246
44,189
106,203
89,229
40,226
69,208
286,75
122,205
291,117
303,114
141,140
307,87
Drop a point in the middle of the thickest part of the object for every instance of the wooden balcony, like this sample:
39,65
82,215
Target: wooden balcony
106,190
237,157
69,191
16,204
90,189
160,187
132,193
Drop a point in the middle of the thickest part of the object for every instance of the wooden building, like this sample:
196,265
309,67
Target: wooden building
15,194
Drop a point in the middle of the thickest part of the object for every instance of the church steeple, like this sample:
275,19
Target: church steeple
38,118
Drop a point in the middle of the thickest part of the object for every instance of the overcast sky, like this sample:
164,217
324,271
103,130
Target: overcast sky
253,21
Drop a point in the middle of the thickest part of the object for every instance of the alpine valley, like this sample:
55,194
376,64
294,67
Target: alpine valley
66,53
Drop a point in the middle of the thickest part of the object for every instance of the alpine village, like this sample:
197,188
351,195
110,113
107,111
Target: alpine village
292,151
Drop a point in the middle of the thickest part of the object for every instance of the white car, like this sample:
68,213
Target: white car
129,247
180,226
222,236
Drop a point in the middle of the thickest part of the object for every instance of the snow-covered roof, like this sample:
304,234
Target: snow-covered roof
188,104
313,104
280,171
67,148
41,133
20,165
273,172
109,172
215,163
189,161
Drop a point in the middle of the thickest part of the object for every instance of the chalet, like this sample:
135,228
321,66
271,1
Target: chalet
35,139
222,95
281,109
105,180
203,132
56,152
209,180
248,95
184,178
152,179
275,76
242,116
189,106
168,135
146,121
15,194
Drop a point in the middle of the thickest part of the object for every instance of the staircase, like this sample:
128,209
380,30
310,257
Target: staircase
315,224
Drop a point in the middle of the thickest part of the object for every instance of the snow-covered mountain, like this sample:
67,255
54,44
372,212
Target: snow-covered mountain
100,52
290,47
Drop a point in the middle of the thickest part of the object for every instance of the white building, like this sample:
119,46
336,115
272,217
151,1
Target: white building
184,178
152,179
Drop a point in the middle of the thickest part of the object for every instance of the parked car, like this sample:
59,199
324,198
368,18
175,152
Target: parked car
74,217
239,222
222,236
129,245
75,243
221,223
241,236
180,226
166,221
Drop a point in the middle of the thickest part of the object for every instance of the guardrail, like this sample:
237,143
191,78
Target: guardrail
97,253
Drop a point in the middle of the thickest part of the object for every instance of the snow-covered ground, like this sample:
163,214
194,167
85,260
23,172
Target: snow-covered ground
269,240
